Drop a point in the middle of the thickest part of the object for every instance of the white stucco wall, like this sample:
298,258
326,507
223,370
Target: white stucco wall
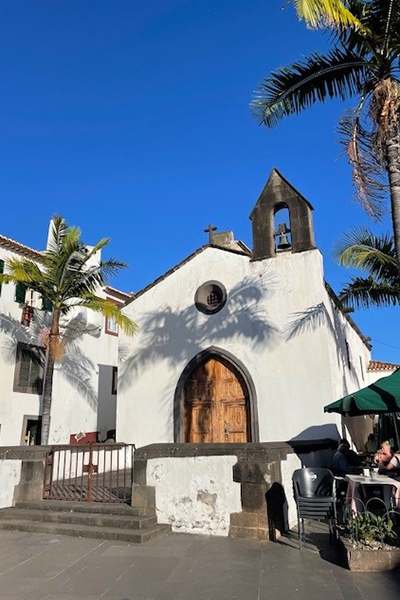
195,494
10,473
288,467
76,387
278,321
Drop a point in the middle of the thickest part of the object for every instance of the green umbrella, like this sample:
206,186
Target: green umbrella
380,397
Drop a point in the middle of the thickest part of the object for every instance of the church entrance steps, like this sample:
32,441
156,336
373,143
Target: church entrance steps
116,522
87,507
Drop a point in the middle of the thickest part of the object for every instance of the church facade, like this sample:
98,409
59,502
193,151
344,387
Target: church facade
240,345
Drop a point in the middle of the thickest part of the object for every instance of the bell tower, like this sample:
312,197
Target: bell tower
279,194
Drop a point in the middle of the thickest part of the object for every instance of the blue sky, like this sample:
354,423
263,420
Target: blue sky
131,120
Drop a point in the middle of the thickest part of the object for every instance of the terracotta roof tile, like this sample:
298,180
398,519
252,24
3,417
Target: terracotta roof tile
377,365
8,243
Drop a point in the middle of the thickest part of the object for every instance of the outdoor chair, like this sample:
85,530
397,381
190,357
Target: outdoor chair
378,498
315,496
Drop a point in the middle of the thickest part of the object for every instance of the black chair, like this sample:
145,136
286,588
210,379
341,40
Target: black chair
315,496
378,498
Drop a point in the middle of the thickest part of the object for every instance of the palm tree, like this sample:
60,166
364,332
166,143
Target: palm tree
69,276
376,256
363,63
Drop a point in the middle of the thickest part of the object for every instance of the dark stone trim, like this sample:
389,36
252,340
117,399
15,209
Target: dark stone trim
200,297
258,452
179,398
26,453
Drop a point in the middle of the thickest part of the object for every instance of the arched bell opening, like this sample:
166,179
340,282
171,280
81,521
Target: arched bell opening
282,228
215,401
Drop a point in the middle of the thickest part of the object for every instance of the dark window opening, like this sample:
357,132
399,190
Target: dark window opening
28,377
33,432
214,298
1,271
210,297
20,293
47,305
348,354
114,382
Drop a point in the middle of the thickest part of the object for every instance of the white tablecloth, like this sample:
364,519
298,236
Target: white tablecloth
353,490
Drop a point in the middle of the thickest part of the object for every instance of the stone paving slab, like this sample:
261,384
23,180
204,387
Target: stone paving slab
181,567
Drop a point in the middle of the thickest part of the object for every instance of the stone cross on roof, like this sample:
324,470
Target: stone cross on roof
210,230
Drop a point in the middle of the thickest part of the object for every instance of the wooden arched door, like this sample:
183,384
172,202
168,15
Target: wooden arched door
216,404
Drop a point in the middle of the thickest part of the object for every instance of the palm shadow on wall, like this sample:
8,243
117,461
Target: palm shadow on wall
176,336
76,368
311,319
314,317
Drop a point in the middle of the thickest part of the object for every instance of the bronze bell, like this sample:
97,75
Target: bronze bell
283,242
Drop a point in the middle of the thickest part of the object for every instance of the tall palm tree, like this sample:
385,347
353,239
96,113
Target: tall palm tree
376,256
69,276
363,63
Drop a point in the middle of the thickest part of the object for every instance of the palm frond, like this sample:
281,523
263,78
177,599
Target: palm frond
326,13
26,271
289,90
109,310
99,246
366,292
361,249
368,172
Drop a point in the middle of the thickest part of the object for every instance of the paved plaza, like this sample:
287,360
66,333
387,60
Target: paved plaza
180,567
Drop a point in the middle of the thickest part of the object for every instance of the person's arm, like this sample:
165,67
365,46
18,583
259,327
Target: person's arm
394,462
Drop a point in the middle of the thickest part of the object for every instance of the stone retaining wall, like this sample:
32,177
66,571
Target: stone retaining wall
237,490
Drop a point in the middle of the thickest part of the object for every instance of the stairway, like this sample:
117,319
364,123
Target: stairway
118,522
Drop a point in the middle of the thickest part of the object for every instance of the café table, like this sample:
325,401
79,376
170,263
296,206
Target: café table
353,490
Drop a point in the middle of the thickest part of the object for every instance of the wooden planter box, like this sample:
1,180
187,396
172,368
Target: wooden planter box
360,559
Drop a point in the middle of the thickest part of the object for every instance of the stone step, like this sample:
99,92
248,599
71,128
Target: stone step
122,521
112,508
86,531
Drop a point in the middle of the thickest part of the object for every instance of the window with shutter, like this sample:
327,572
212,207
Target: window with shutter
28,377
20,293
46,305
1,271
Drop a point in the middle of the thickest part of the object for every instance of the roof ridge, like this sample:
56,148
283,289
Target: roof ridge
169,272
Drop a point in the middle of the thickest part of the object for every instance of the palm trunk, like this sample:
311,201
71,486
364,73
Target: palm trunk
48,378
393,164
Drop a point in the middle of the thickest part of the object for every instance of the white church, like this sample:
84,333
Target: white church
234,345
244,345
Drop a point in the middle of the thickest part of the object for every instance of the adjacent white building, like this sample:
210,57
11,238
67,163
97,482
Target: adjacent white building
243,345
85,384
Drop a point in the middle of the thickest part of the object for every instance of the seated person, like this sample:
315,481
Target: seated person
384,455
371,445
386,458
341,463
352,457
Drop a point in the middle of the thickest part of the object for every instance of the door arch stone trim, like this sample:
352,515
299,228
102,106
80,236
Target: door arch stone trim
179,397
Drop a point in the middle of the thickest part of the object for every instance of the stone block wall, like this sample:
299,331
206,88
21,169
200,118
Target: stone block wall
237,490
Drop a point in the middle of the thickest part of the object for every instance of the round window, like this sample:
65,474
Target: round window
210,297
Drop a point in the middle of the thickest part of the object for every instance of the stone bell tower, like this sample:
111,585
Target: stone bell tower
278,193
